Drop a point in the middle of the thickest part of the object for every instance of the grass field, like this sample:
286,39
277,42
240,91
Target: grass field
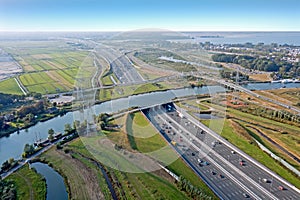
261,77
82,178
151,56
273,129
10,86
289,140
286,95
269,145
30,185
124,91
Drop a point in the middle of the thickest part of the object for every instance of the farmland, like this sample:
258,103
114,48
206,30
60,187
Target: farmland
48,66
10,86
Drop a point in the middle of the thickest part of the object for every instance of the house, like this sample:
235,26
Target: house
52,110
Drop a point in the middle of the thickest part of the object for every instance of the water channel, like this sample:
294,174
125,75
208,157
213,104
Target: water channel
56,188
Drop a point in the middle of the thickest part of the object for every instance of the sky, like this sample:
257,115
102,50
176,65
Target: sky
126,15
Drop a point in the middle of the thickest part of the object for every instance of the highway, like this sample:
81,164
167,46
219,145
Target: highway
121,66
228,171
124,70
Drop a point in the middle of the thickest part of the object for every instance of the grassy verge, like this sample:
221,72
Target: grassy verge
29,184
149,140
124,91
290,140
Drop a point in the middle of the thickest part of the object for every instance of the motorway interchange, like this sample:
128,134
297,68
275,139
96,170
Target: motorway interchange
228,171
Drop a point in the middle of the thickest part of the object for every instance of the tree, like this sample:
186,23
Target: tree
68,128
50,131
1,122
11,160
5,166
76,124
28,150
282,70
50,134
29,117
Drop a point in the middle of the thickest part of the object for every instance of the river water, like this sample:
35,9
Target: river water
12,146
56,188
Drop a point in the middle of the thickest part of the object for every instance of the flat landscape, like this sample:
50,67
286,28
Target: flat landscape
48,67
148,119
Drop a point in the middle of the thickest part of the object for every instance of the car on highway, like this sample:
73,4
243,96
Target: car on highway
246,195
265,180
280,187
205,163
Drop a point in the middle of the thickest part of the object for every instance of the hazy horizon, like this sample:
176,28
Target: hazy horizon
118,15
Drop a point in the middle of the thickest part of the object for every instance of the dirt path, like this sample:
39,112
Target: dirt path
29,185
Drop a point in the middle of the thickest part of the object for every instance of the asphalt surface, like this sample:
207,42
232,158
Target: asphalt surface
124,70
120,65
216,161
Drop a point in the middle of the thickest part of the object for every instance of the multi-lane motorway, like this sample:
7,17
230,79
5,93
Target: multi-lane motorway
124,70
120,65
229,172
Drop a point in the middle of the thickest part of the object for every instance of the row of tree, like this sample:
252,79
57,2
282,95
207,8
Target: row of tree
8,164
278,115
194,192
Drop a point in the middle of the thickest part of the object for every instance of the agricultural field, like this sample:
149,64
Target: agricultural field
10,86
49,66
8,66
41,82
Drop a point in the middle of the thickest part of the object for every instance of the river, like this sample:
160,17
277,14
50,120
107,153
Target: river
56,188
12,146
